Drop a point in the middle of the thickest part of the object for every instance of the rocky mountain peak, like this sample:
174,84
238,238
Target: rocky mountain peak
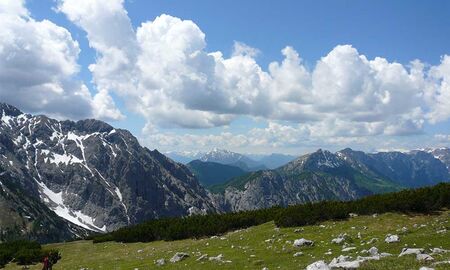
316,161
93,175
9,110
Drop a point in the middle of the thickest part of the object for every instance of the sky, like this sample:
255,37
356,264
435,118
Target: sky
248,76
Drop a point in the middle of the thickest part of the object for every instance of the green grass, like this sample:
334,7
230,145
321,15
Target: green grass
247,248
237,182
375,185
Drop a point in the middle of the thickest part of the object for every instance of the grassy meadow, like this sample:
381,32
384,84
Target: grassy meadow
267,246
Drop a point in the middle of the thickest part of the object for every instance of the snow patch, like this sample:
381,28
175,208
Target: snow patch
76,217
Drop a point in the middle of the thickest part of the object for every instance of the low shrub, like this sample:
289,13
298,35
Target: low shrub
25,252
423,200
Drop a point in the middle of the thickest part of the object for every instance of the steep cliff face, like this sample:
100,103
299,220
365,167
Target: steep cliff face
313,177
23,216
93,175
443,154
412,169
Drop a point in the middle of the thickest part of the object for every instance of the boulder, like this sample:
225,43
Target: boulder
340,239
408,251
303,242
424,257
373,251
392,238
202,257
439,250
296,254
219,258
160,262
344,262
179,256
319,265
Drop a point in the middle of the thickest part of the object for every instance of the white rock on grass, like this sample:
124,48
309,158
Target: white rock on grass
425,268
424,257
363,259
319,265
348,249
202,257
408,251
344,262
296,254
371,241
392,238
373,251
340,239
439,250
160,262
179,256
219,258
303,242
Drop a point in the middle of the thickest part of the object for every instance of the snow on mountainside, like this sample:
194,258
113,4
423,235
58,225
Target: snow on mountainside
184,156
443,154
249,161
231,158
222,156
93,175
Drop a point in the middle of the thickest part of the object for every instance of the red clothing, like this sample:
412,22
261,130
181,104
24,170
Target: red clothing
46,264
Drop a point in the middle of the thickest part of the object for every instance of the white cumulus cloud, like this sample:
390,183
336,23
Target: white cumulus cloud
38,66
163,71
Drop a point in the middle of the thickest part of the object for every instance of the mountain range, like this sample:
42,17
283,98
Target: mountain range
246,162
323,175
212,173
64,179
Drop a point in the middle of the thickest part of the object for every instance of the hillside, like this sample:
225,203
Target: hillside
22,216
322,175
213,173
274,161
318,176
267,246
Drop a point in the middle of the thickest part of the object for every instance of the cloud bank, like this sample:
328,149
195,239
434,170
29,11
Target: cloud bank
162,71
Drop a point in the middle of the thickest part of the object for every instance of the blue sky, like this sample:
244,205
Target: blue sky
396,31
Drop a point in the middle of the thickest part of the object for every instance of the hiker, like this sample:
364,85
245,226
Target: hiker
47,264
